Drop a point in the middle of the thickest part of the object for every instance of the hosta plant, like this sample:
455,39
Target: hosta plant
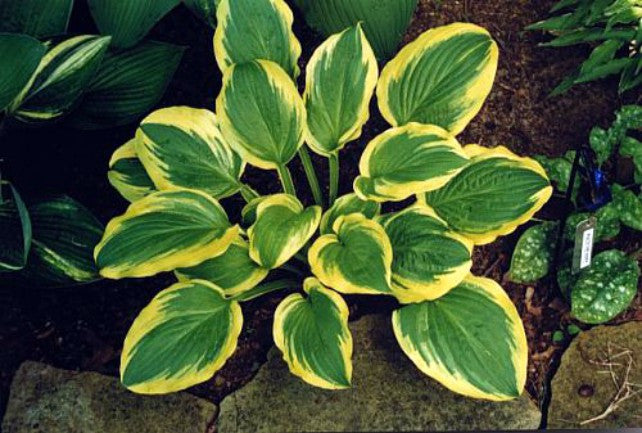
94,81
605,289
460,329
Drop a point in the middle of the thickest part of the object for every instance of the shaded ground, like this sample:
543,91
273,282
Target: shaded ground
83,328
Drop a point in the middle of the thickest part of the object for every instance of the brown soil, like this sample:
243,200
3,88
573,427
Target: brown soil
83,327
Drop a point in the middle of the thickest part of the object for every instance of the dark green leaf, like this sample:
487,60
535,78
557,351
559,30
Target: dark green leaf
533,254
15,229
37,18
20,55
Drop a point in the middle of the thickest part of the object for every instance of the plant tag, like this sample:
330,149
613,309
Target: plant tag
583,250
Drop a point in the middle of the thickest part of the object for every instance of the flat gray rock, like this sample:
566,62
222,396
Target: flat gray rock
44,399
389,394
583,387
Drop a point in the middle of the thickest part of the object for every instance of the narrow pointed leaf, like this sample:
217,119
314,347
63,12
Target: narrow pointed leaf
37,18
471,340
233,271
312,333
533,255
162,232
408,160
127,174
347,205
356,259
20,56
384,21
15,230
606,288
128,85
265,33
496,193
61,78
182,147
184,336
442,78
341,78
65,234
128,21
204,9
428,258
282,228
262,114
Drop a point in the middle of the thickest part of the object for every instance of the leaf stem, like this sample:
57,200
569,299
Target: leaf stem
286,179
248,193
333,161
264,289
293,269
311,174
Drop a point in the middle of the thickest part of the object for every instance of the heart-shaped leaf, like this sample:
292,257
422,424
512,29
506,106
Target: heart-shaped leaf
182,147
282,228
356,259
312,333
164,231
408,160
184,336
471,340
20,56
127,174
127,86
346,205
61,78
233,271
442,78
384,21
428,258
15,230
606,288
341,78
492,196
262,114
128,21
264,33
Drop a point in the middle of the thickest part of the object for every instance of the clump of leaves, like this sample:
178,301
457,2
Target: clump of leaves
609,285
611,27
95,81
460,329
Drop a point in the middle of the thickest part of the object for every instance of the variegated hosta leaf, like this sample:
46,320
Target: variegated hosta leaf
233,271
533,254
256,29
65,234
350,203
164,231
282,228
184,336
15,230
127,174
428,258
442,78
471,340
356,259
384,21
37,18
341,78
20,56
492,196
312,333
408,160
248,213
61,78
262,114
606,288
182,147
127,86
128,21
